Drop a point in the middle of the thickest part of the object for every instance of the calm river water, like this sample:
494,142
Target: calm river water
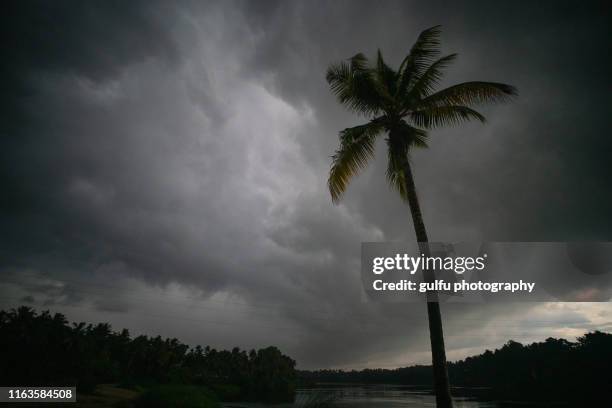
373,397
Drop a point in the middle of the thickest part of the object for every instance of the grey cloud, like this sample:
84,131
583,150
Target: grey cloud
187,146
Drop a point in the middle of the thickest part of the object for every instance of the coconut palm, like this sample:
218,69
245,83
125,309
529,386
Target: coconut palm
404,105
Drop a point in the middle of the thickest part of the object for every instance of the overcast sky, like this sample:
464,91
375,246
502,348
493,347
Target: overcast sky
163,167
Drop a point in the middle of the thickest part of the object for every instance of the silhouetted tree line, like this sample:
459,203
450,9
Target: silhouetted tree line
553,370
44,349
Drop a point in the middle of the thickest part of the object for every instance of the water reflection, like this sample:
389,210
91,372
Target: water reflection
371,397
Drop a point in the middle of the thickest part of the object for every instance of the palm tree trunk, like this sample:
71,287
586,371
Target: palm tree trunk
436,334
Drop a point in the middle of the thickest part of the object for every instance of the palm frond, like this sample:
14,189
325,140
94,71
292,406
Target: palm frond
356,149
399,143
386,77
397,159
421,55
437,116
405,105
469,93
354,86
359,62
425,83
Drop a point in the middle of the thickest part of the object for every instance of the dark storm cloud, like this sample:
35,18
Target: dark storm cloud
146,145
92,39
541,156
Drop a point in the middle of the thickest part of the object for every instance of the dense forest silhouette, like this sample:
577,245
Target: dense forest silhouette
552,370
43,349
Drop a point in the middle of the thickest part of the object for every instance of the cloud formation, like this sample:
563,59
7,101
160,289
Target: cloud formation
164,165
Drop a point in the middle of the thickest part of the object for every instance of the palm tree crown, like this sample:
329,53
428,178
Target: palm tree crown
403,104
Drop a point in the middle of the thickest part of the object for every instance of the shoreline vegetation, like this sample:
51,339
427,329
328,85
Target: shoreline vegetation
112,368
44,349
555,370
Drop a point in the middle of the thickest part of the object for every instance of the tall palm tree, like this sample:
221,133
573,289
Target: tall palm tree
403,104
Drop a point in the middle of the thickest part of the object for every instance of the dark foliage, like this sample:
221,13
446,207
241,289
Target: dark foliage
44,349
553,370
